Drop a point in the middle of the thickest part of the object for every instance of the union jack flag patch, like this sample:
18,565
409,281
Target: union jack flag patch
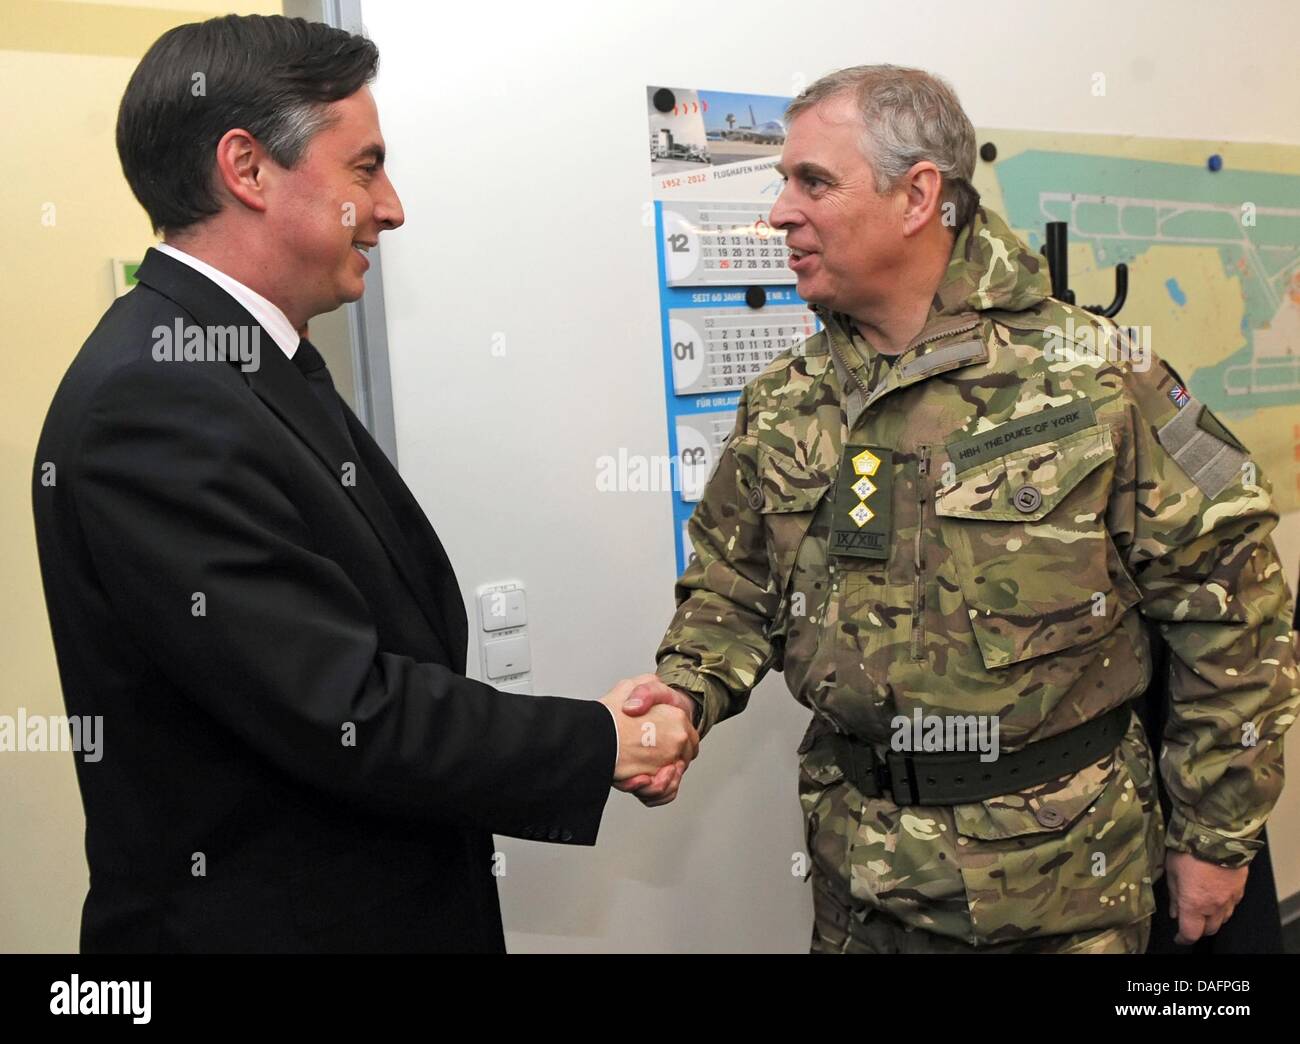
1180,397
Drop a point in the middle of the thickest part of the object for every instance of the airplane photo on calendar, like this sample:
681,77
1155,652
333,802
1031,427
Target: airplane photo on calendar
691,130
742,127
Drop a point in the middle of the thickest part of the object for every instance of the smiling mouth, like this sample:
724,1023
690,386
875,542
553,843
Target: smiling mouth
362,248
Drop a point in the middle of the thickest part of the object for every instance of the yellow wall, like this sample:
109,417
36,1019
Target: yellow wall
64,66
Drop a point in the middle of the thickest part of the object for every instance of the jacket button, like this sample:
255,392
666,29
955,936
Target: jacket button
1050,816
1027,499
756,498
554,835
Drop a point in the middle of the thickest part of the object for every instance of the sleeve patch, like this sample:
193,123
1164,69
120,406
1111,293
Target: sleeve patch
1209,422
1206,451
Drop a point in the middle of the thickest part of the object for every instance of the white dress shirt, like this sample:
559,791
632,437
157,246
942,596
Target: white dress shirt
268,316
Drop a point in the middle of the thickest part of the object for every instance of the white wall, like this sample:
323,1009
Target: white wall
517,140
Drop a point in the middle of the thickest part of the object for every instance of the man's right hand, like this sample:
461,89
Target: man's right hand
660,743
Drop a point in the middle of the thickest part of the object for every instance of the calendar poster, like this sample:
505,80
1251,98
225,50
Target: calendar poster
727,301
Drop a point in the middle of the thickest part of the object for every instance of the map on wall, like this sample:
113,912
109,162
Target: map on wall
1213,256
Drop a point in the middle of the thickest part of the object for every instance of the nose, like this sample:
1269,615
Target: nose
388,208
783,216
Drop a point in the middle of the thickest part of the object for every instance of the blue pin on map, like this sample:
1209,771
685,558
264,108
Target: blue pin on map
1215,162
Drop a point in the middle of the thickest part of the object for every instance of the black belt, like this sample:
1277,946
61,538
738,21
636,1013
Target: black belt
953,778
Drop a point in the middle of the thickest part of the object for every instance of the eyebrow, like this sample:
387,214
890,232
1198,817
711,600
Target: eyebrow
805,169
374,151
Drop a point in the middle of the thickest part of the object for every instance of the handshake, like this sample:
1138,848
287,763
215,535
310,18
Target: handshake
656,740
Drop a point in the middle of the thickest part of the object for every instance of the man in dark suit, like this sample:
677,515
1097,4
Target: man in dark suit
242,587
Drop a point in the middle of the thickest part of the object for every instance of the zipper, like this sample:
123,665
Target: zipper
857,377
918,558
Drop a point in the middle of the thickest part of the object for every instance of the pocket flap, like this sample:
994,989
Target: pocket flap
1027,485
787,485
1045,808
816,758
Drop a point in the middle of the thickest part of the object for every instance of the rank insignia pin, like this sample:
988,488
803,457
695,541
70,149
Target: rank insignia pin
865,463
862,515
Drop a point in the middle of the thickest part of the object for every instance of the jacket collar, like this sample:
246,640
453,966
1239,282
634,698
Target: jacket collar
990,269
945,343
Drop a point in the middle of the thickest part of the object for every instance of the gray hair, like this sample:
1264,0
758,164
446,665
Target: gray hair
908,115
287,138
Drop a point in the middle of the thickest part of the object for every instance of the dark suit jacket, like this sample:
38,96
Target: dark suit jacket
292,756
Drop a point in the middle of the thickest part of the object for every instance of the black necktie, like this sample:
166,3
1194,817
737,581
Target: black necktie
311,365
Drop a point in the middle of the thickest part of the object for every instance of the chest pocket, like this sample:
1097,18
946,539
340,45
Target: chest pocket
1037,568
787,495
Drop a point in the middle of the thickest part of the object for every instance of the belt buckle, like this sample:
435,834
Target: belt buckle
899,771
861,763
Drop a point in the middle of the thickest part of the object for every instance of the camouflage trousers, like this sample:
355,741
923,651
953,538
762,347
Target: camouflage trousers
842,926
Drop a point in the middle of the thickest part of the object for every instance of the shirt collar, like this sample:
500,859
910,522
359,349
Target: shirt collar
268,316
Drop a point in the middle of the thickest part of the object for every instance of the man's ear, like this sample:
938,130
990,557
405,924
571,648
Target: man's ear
242,165
923,186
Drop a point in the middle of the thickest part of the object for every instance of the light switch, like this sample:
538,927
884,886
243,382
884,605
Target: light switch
506,656
500,610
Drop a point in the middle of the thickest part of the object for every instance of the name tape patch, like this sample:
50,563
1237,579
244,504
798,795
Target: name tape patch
1044,426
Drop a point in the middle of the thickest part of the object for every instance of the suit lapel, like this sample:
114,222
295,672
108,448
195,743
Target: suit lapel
278,383
433,572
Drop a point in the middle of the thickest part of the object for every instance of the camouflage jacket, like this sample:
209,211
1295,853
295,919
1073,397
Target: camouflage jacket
1037,493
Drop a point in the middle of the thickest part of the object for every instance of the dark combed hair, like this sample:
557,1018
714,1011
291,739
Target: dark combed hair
270,75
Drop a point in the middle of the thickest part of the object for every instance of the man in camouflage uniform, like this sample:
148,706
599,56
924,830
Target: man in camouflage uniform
1033,497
